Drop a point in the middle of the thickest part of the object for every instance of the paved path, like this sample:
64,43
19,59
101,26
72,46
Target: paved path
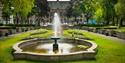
107,37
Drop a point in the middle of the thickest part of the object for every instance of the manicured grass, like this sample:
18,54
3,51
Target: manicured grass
109,50
122,29
46,34
6,47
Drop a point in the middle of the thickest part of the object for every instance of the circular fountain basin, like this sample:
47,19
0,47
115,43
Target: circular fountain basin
42,50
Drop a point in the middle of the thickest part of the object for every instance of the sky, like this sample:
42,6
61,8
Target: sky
59,0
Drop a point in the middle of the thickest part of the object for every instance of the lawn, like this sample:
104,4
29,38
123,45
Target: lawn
122,29
109,50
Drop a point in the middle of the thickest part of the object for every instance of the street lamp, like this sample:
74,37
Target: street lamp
1,7
12,8
11,16
80,2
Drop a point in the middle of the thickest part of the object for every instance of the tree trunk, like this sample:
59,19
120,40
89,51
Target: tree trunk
119,22
87,19
107,22
113,21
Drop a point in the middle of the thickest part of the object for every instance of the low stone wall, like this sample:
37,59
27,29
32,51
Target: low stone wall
6,32
88,54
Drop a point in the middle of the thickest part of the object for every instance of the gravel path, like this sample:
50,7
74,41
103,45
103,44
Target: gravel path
108,37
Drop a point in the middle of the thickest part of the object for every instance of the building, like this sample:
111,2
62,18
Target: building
61,7
58,6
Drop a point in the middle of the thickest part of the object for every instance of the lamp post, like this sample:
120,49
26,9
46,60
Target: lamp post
11,16
1,7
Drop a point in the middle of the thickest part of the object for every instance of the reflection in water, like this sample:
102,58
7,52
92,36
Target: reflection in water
47,48
63,48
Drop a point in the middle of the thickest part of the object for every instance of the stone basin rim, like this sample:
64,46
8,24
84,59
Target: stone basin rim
18,50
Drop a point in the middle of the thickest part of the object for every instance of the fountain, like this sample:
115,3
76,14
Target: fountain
43,49
57,31
57,25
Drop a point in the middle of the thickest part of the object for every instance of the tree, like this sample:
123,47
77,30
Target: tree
120,11
101,10
75,11
89,8
98,14
22,7
42,7
108,10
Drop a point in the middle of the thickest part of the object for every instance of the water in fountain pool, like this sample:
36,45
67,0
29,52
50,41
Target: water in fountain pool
63,48
47,48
